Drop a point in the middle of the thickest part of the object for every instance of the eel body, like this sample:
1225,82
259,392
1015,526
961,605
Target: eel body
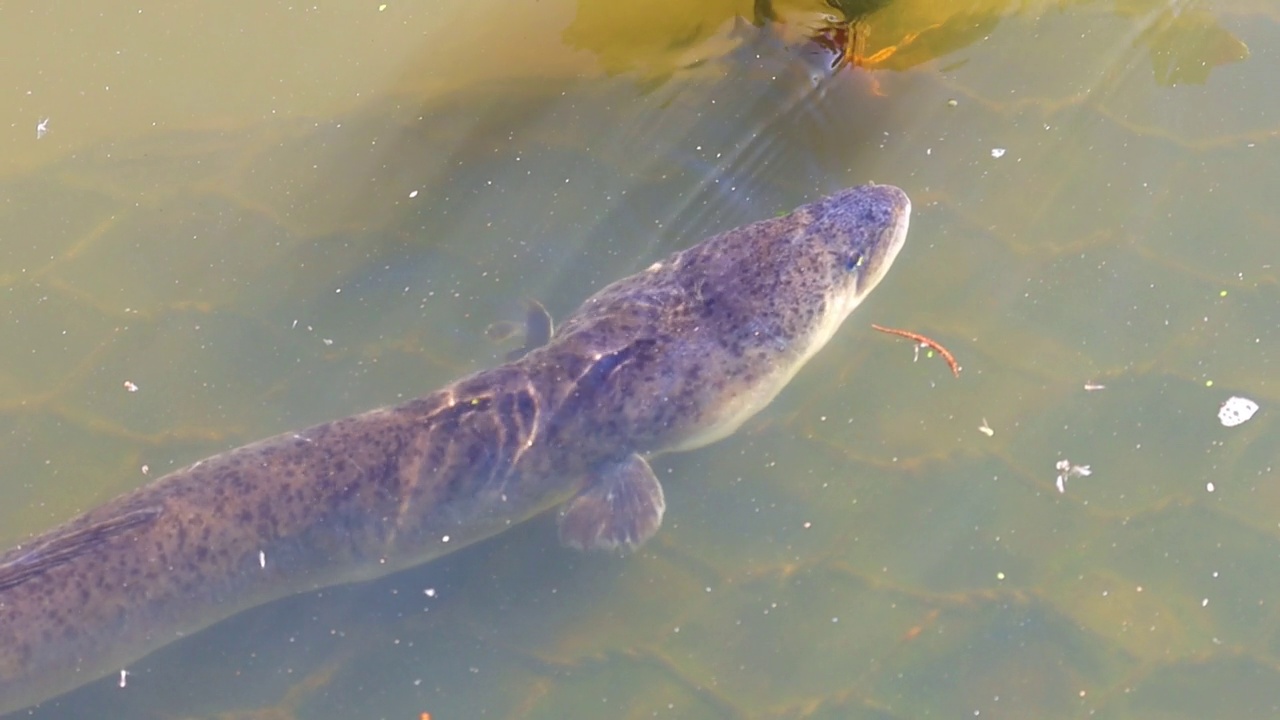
669,359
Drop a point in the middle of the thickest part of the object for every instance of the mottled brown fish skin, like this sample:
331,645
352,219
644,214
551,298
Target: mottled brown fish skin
671,358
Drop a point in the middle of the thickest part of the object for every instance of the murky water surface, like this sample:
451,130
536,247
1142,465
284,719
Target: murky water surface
219,222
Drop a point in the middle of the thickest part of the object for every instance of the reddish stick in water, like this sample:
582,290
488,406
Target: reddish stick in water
927,342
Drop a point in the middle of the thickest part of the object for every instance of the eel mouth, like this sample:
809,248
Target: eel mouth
885,214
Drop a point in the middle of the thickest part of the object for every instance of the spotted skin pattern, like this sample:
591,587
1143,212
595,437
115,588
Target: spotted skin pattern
668,359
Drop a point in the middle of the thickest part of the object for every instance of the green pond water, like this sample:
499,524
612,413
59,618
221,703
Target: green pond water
239,219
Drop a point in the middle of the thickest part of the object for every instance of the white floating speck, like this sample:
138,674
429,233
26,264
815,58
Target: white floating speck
1066,470
128,385
42,129
1236,410
1208,487
985,429
997,152
124,675
262,558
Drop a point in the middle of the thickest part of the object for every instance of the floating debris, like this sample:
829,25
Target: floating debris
1067,470
130,386
1236,410
923,341
997,153
985,429
1091,386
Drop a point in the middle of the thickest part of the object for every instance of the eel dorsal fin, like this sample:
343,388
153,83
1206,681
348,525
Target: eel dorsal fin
65,547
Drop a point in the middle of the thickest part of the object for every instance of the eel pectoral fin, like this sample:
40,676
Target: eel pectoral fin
621,506
538,329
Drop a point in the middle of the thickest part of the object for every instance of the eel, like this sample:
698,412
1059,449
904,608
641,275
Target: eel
672,358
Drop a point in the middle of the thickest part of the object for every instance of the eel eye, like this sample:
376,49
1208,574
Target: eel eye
853,261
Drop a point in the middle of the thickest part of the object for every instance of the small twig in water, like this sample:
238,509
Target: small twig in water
927,342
